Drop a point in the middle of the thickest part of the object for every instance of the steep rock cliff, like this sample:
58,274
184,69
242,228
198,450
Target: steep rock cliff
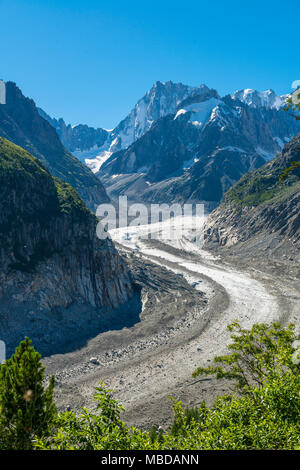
51,258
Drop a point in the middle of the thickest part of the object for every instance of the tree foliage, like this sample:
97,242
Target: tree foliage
102,429
264,365
27,409
256,355
292,104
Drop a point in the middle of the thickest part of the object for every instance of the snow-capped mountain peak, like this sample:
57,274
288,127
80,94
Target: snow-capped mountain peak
200,112
160,100
260,99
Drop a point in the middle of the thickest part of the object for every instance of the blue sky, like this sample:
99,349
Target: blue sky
91,61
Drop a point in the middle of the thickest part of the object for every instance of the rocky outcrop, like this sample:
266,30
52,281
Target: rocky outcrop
259,214
51,259
21,123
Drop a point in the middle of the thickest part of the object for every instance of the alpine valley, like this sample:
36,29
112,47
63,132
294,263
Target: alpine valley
142,312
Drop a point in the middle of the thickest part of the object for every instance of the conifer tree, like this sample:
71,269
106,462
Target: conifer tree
27,409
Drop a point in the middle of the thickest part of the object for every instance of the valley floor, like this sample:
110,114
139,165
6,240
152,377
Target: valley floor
189,297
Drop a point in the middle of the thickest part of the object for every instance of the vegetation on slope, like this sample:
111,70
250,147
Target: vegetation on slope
32,202
20,171
263,361
266,184
270,182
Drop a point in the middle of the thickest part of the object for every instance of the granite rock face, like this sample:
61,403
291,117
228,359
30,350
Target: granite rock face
49,252
162,99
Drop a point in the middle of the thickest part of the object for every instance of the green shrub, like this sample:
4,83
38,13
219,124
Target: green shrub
263,364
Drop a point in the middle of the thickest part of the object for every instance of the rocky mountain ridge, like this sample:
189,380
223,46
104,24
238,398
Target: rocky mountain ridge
256,99
94,146
198,152
79,139
182,143
21,123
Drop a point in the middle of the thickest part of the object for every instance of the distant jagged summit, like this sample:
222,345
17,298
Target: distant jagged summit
77,138
260,99
184,142
96,145
160,100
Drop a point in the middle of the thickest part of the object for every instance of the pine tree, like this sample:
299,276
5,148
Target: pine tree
27,409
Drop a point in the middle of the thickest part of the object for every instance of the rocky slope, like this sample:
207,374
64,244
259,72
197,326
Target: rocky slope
21,123
198,152
259,215
56,275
